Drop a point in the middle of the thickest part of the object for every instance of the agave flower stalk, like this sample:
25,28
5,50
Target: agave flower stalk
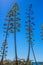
14,25
4,45
29,31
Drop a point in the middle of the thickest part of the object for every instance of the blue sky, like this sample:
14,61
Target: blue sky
22,45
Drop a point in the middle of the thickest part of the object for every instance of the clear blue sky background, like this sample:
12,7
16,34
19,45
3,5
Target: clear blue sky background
22,45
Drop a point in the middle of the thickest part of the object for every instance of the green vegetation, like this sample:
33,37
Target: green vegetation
19,62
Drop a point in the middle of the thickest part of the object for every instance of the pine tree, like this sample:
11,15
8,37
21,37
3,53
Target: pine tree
29,24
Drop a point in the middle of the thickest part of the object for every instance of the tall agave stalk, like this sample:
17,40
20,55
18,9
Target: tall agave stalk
14,25
29,31
4,45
